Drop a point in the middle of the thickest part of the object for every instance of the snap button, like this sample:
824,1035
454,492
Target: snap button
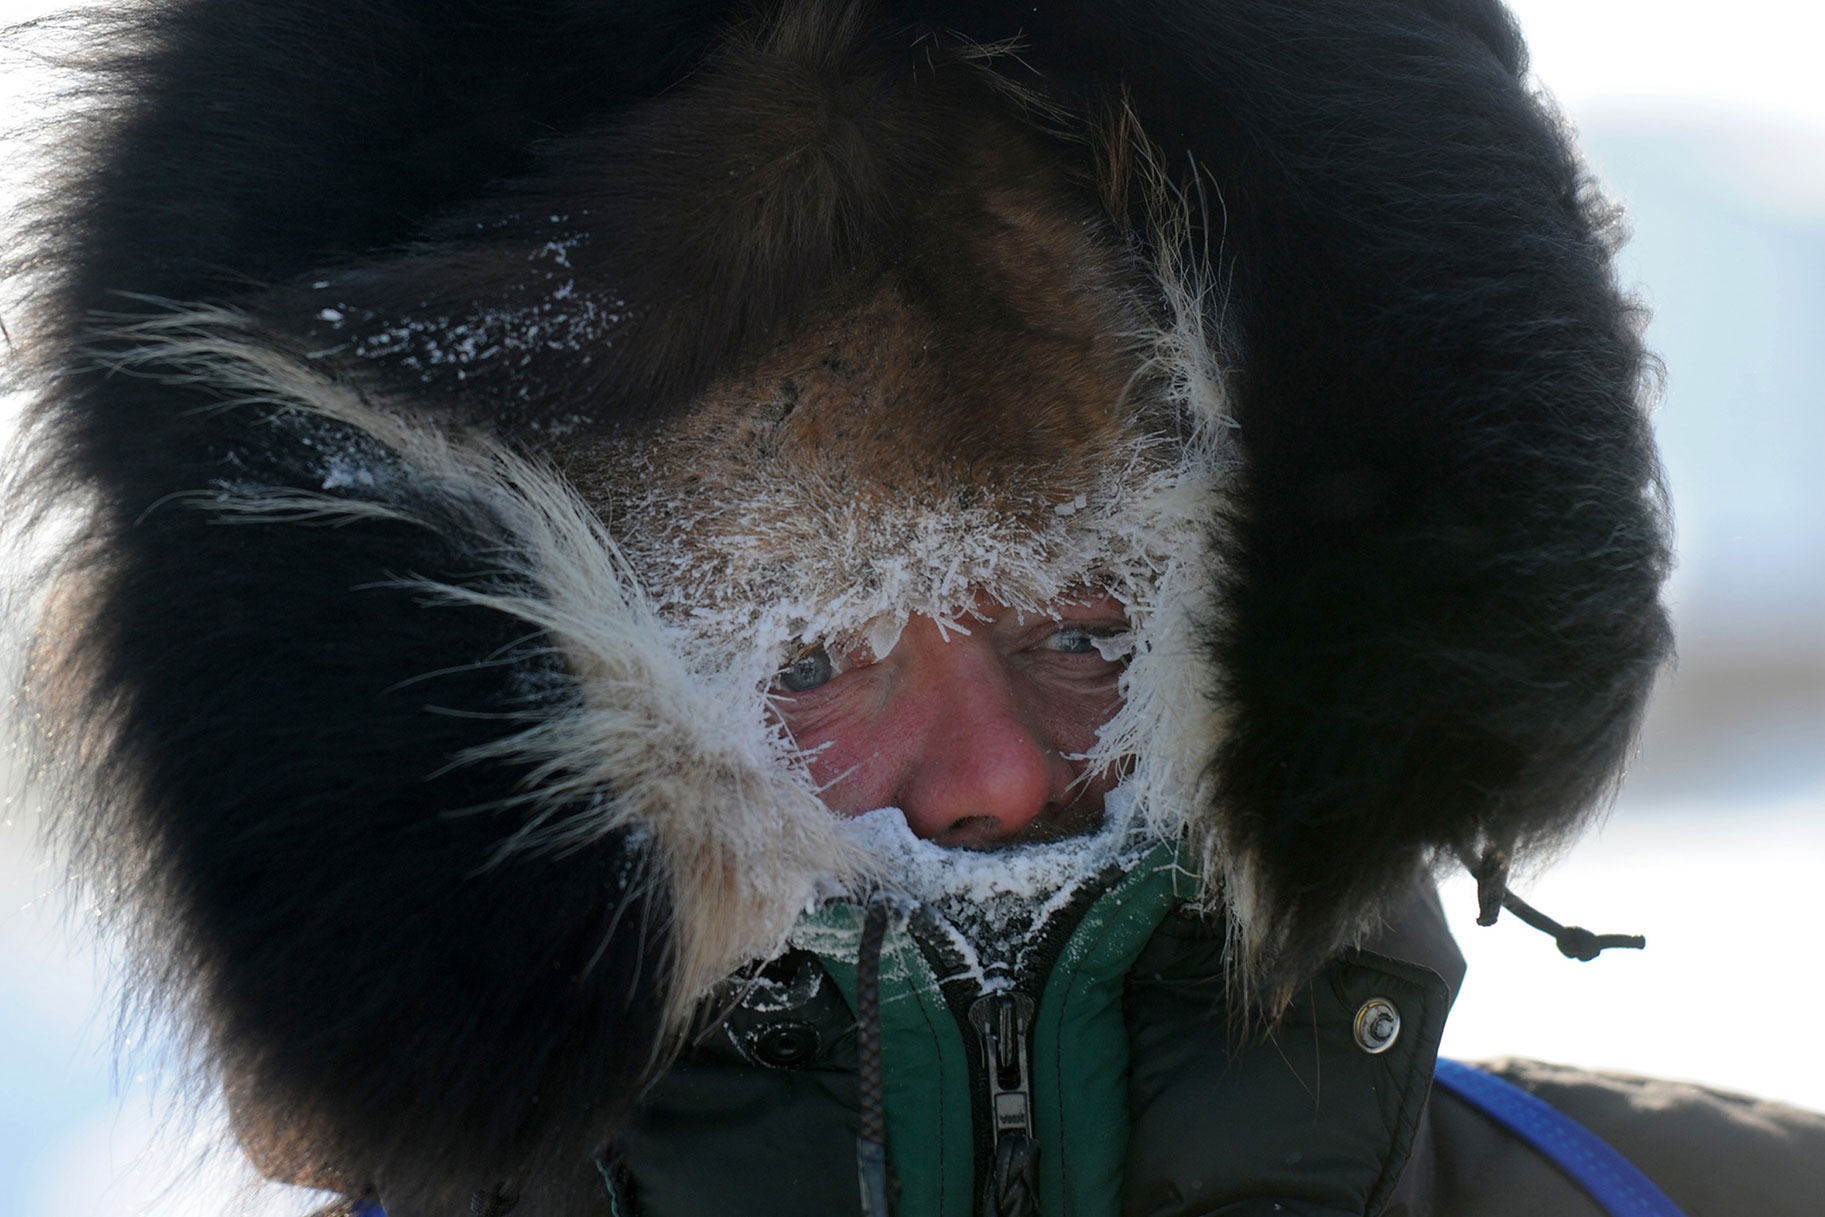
786,1045
1377,1025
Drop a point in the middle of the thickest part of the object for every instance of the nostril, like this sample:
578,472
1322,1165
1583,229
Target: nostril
1055,821
971,831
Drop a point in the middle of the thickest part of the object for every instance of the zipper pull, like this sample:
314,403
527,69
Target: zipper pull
1004,1023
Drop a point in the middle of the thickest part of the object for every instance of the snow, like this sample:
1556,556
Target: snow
1727,991
1001,902
563,319
344,472
764,995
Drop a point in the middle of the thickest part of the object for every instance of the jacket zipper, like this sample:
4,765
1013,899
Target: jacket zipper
1004,1024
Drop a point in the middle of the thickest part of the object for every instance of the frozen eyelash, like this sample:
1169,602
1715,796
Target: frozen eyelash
1113,646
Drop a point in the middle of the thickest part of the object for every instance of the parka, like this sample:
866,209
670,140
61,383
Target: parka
1128,1088
1105,1080
451,416
1141,1095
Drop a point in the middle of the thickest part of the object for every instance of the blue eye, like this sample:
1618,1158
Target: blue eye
1108,642
807,672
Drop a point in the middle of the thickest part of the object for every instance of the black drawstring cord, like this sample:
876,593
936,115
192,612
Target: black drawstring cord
871,1141
1575,942
1493,895
1012,1184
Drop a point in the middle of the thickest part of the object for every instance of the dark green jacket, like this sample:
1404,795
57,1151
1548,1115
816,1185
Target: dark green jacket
1145,1097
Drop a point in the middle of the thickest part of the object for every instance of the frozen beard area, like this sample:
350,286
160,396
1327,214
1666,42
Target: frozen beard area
998,907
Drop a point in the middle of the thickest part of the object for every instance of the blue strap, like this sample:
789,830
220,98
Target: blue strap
1593,1163
370,1209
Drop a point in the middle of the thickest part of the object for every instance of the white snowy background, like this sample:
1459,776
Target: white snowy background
1708,121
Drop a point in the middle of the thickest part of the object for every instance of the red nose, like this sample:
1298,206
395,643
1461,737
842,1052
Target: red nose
985,769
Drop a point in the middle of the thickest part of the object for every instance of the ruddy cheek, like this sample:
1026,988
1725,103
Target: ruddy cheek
1074,717
853,768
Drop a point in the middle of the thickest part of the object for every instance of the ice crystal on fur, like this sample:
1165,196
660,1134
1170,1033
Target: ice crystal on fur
1001,903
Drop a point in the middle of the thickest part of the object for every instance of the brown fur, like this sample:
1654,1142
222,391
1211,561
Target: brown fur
736,222
992,363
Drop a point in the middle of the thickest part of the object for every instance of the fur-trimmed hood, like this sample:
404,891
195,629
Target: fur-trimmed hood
465,411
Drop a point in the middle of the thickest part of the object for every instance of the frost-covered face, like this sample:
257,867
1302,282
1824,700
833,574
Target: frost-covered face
945,548
978,728
942,549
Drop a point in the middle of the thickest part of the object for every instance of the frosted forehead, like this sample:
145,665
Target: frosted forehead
885,460
778,558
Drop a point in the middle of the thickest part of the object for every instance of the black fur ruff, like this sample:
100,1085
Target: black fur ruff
1439,629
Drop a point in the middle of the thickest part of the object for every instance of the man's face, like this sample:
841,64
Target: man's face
974,727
